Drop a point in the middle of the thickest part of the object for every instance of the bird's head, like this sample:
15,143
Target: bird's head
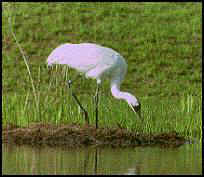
131,100
134,104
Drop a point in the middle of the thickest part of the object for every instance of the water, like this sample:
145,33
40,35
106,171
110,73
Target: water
186,159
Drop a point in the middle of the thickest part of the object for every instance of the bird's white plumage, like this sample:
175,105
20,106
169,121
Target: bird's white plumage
96,62
93,60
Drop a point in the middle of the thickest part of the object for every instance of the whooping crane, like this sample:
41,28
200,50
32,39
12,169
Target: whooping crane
99,63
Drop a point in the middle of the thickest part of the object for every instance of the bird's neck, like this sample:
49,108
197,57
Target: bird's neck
115,90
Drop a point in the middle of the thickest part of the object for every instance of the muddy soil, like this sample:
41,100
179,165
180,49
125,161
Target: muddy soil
77,136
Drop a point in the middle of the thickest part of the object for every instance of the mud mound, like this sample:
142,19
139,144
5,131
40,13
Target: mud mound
78,136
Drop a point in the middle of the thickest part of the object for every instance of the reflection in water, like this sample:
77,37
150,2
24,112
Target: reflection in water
96,161
149,160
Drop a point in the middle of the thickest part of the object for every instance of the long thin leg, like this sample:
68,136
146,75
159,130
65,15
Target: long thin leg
78,102
96,101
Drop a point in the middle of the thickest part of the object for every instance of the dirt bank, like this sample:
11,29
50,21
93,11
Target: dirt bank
77,136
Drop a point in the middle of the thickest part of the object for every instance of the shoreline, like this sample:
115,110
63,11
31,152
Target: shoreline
74,135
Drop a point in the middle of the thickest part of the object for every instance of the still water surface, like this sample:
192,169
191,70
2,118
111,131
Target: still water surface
186,159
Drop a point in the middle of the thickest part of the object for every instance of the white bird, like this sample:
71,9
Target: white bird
97,62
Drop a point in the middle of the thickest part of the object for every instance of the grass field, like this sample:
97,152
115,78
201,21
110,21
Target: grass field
161,43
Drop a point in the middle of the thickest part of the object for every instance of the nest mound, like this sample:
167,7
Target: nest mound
77,136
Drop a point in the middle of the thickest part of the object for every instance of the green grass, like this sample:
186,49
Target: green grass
160,41
182,116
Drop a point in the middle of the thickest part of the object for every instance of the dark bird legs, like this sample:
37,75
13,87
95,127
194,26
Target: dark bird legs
96,102
96,99
78,102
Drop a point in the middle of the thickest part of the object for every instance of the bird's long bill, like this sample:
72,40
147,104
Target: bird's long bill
137,109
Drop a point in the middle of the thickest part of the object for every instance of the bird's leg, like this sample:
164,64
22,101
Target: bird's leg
78,102
96,101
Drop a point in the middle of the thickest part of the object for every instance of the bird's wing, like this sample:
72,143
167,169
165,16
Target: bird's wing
77,56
